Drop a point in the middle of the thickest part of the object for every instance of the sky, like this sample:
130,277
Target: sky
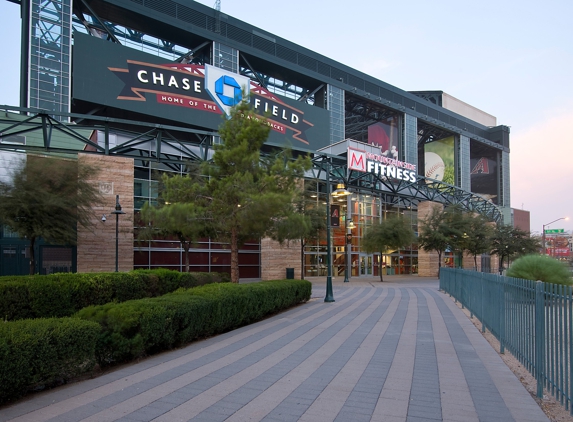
512,59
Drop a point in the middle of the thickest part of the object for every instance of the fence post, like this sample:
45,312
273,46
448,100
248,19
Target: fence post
482,310
502,317
539,335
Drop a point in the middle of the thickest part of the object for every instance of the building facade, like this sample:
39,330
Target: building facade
151,82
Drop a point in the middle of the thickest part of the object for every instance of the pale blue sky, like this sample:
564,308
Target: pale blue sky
512,59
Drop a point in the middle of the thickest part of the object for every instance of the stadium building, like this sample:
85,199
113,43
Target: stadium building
141,86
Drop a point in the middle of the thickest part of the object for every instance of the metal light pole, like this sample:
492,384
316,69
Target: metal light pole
543,234
341,191
347,241
329,296
117,212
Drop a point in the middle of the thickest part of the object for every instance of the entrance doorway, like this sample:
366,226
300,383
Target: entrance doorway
362,265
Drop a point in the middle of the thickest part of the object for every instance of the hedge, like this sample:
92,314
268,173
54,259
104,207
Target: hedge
44,352
61,295
136,328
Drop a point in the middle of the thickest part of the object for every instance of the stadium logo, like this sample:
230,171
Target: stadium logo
481,167
226,89
209,89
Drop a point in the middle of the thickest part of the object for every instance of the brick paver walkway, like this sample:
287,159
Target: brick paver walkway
393,351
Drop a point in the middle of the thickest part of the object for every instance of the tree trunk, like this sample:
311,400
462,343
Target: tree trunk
186,249
439,263
234,256
32,257
302,259
380,268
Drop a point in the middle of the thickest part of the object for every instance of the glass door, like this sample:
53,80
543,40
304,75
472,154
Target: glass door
365,265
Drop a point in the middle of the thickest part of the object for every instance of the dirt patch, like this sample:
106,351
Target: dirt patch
552,408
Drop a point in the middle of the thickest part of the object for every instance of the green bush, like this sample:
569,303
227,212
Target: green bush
43,352
60,295
540,267
140,327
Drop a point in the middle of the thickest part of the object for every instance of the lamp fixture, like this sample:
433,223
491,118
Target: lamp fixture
103,218
341,190
351,225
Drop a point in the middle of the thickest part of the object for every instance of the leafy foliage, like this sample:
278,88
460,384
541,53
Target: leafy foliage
510,242
442,230
59,295
241,194
135,328
540,267
390,234
48,198
477,235
40,353
179,219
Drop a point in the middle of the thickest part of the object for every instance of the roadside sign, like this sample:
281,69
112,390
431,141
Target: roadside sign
554,231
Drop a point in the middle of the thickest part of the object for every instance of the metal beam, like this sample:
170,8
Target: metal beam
170,149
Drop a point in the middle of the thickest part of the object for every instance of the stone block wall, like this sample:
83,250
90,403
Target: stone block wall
276,258
96,244
427,260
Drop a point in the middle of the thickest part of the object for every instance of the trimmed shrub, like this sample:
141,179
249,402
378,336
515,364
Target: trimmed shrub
540,267
136,328
39,353
63,294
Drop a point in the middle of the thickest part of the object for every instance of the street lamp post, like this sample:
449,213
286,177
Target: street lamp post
329,296
117,212
349,227
341,191
543,234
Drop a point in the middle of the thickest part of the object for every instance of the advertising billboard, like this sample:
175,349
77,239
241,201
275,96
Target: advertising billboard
557,245
384,134
439,160
125,79
484,171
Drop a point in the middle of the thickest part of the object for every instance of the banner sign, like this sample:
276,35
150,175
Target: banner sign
381,165
210,89
335,215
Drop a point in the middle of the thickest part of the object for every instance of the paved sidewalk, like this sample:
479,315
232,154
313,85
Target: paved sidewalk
393,351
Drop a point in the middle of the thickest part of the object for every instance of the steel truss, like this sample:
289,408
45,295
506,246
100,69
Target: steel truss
177,147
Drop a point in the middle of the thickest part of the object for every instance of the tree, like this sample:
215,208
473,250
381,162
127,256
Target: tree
509,242
176,215
478,236
391,234
48,198
442,230
180,220
241,194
